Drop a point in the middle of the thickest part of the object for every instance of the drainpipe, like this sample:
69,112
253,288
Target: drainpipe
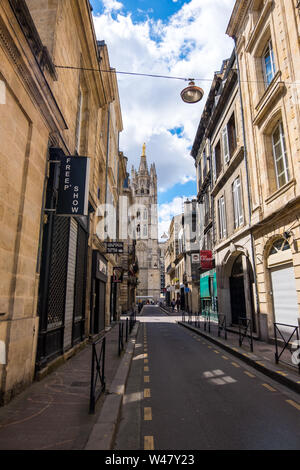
248,187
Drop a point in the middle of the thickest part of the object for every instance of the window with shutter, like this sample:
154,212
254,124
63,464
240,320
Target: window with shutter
237,203
214,165
225,144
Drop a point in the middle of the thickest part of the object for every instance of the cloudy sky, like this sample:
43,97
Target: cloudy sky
179,38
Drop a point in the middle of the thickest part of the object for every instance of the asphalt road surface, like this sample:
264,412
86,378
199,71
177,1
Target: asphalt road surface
184,393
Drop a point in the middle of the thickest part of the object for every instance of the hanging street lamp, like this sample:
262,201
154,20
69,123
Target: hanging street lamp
192,93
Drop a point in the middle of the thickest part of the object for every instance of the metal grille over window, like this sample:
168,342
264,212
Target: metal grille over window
58,272
80,284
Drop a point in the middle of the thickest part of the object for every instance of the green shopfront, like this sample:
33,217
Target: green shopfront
208,294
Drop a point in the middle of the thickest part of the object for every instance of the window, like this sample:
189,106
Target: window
204,164
217,161
280,156
222,217
231,135
237,203
199,176
225,144
268,64
145,214
145,231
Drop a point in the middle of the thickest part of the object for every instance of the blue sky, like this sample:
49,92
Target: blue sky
140,9
183,38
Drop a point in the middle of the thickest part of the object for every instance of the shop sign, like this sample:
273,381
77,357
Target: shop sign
117,275
195,258
206,259
102,267
73,190
115,248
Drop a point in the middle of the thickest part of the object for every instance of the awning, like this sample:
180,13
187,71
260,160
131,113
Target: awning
204,287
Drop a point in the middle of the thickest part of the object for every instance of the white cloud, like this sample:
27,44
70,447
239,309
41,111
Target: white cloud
191,44
112,5
167,211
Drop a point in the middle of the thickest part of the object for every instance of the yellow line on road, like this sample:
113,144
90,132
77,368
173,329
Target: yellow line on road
147,414
146,361
224,357
147,393
281,373
146,379
235,364
269,387
294,404
217,352
146,369
148,443
249,374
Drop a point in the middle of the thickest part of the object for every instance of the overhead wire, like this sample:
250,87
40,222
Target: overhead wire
88,69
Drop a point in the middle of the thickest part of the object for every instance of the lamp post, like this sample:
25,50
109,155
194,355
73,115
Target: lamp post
192,94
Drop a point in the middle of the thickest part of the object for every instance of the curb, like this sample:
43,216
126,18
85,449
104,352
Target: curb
104,431
295,387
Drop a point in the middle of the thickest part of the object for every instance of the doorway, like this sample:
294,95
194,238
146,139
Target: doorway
237,291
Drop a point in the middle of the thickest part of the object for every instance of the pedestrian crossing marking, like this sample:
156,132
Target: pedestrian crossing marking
148,443
249,374
269,387
146,361
147,393
224,357
259,363
146,369
147,414
217,352
146,378
294,404
235,364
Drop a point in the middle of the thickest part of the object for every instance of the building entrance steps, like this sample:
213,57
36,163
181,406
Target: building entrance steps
53,414
262,358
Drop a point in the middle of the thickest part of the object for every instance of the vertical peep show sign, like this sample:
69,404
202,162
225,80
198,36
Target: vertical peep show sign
73,189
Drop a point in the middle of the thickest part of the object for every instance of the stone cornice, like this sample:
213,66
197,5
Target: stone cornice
259,26
237,17
27,25
30,73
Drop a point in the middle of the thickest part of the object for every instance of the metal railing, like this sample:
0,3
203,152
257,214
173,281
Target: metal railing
132,320
291,336
97,372
245,331
222,325
206,316
121,337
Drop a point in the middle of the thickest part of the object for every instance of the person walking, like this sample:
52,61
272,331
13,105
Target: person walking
173,305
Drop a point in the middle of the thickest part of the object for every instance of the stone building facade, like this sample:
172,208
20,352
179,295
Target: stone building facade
145,230
221,156
56,285
266,34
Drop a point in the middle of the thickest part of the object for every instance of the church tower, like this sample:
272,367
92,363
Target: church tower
144,187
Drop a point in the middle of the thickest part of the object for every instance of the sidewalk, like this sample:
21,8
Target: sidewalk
262,358
53,414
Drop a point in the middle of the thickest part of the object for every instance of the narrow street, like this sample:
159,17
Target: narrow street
185,393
